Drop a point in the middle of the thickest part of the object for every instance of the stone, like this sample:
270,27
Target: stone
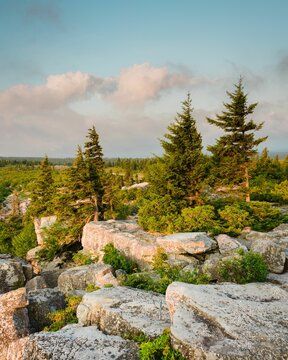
228,245
14,322
280,279
11,275
41,303
191,243
210,266
229,321
143,185
125,311
75,342
27,270
273,254
78,278
38,282
40,224
126,236
32,258
51,277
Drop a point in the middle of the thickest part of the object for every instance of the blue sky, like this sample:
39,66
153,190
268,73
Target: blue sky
101,53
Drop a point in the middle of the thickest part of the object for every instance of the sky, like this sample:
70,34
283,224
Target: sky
125,66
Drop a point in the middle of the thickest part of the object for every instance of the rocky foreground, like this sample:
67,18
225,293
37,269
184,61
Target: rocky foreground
217,321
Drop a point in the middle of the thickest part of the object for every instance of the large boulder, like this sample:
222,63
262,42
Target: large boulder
126,236
280,279
273,254
228,245
75,342
125,311
41,303
40,224
11,274
32,258
78,278
38,282
51,277
191,243
229,321
14,322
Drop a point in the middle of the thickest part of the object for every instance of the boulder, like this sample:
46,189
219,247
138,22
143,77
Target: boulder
11,274
191,243
126,236
41,303
40,225
228,245
51,277
273,254
38,282
280,279
229,321
79,277
14,322
32,258
75,342
125,311
210,266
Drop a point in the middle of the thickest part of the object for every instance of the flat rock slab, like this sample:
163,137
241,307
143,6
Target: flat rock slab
125,311
191,243
75,343
78,278
229,321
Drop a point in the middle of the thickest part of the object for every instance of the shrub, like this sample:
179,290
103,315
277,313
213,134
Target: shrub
281,190
117,260
264,216
92,287
81,258
234,218
243,268
9,228
159,349
24,241
66,316
199,218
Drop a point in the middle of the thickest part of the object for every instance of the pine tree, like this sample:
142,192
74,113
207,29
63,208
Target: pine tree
234,150
183,156
42,193
95,168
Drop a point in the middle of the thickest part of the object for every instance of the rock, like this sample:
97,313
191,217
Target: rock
124,311
120,274
257,235
41,303
51,277
126,236
210,266
14,322
143,185
273,254
190,268
229,321
191,243
11,275
74,342
228,245
79,277
40,225
281,230
27,270
281,279
38,282
32,258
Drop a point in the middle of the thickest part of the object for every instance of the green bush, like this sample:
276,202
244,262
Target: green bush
234,218
92,287
117,260
60,318
264,216
81,258
24,241
243,268
9,229
159,349
281,190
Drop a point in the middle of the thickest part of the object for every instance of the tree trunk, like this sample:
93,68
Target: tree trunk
96,213
247,186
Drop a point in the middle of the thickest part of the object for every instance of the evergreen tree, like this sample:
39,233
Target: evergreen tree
42,194
95,171
183,156
234,150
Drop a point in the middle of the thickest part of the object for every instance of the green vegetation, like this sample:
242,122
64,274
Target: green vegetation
117,260
80,258
60,318
91,288
24,241
243,268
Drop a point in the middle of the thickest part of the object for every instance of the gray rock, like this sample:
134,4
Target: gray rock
51,277
124,311
210,266
32,258
41,224
229,321
41,303
74,343
79,277
38,282
228,245
281,279
273,254
191,243
11,275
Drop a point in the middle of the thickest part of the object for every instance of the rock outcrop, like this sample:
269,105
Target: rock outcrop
14,322
229,321
12,276
228,245
75,342
273,254
78,278
125,311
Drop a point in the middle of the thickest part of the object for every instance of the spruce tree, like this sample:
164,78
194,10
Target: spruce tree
183,156
95,168
234,150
